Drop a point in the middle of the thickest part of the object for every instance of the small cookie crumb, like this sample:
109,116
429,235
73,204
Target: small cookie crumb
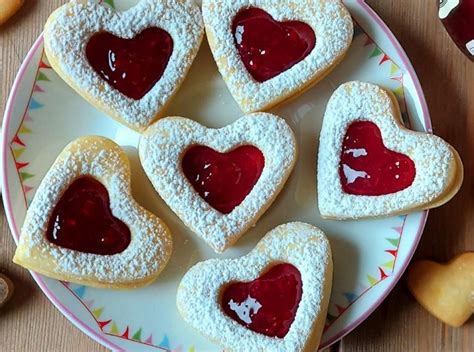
6,289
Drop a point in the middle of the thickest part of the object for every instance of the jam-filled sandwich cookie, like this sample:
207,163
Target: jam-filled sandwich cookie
83,225
8,8
370,165
128,64
268,51
273,299
219,181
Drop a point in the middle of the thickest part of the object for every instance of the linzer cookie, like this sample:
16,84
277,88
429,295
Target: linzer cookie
219,181
127,64
268,51
83,225
273,299
370,165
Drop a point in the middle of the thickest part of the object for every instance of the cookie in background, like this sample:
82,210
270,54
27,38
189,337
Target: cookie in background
445,290
8,8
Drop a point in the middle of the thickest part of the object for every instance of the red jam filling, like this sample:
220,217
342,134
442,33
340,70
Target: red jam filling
268,47
368,168
132,66
82,220
223,179
268,304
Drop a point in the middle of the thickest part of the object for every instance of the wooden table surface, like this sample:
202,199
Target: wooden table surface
31,323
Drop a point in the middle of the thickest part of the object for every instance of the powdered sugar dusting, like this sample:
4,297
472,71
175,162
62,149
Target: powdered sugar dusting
150,245
162,147
434,159
70,27
329,19
301,245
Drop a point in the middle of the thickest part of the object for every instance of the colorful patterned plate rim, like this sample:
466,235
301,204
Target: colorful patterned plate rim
149,320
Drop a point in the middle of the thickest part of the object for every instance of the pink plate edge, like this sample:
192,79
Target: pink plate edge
9,211
100,337
426,116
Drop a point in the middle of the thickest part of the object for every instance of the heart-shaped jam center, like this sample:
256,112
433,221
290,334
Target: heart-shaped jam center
82,220
368,168
268,304
268,47
132,66
223,179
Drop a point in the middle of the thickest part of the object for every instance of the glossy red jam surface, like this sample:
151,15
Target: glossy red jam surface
268,304
132,66
82,220
223,179
268,47
460,23
368,168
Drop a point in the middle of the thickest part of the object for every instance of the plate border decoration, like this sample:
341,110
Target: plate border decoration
17,146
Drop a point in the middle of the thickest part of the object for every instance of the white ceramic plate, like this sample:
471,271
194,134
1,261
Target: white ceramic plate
43,114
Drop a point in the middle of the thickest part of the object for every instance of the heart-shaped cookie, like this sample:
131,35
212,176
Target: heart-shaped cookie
370,165
83,225
273,299
446,291
8,8
219,181
268,51
128,64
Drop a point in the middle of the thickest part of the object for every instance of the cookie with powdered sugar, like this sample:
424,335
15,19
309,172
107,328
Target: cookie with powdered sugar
84,226
371,165
128,64
273,299
268,51
219,182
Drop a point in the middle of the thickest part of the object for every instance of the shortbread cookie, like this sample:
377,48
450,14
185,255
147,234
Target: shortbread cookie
8,8
273,299
268,51
446,291
127,64
83,225
370,165
219,181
